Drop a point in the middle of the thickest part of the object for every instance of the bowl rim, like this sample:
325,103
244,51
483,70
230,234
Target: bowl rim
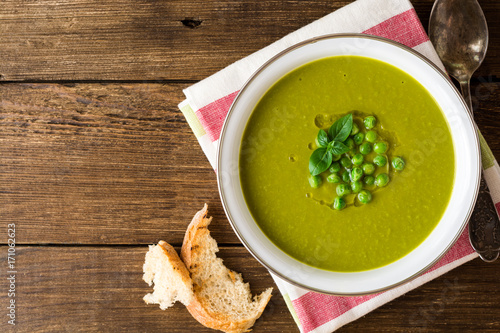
289,49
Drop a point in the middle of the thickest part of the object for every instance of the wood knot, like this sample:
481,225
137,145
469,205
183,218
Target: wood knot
191,22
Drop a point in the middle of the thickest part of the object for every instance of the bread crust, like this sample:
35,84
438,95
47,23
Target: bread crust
219,321
177,264
223,323
199,224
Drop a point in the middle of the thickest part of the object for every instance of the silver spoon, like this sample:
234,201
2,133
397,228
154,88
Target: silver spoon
458,31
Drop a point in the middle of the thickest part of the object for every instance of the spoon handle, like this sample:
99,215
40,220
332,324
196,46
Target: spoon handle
465,87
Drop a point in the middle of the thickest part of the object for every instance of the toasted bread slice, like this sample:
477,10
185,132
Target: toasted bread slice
221,300
171,279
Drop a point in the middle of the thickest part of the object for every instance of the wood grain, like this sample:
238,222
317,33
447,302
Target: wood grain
102,163
151,40
100,289
117,163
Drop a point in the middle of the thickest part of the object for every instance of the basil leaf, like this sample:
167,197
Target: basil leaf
341,129
322,138
320,160
337,148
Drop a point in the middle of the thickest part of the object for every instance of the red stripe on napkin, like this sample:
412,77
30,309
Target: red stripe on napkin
314,309
212,116
404,28
497,206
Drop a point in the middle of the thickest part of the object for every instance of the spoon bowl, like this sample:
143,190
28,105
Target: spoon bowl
459,33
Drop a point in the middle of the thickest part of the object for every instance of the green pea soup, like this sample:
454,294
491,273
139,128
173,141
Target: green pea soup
280,137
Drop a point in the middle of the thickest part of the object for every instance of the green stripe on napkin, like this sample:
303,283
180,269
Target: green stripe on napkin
288,302
192,120
486,155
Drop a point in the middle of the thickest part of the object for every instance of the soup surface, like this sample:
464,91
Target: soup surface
280,137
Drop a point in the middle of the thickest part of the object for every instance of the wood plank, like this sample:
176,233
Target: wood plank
150,40
117,163
99,289
97,163
93,289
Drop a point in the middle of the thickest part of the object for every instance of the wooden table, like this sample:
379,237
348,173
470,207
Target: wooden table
96,162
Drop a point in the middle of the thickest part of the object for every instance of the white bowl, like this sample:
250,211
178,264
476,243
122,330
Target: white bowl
467,166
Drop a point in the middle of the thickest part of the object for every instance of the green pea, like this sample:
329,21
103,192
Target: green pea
371,136
365,148
336,157
382,180
356,186
380,160
368,168
364,196
335,167
398,163
346,162
369,122
357,159
358,138
343,189
345,176
380,147
334,178
315,181
339,203
349,143
355,129
369,180
356,173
